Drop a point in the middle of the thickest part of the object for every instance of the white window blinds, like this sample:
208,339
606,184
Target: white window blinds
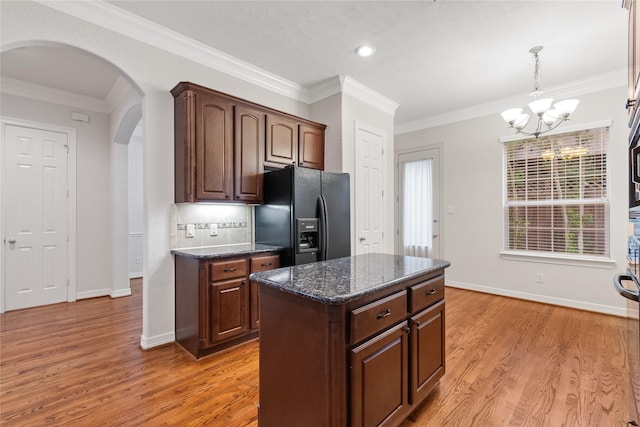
556,193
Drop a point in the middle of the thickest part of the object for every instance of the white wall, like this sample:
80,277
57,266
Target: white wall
473,235
135,194
329,112
94,225
155,71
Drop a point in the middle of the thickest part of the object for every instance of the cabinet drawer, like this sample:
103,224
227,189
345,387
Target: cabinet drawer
378,315
223,270
263,263
426,293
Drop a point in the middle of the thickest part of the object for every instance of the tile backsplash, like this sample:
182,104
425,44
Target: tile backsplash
234,224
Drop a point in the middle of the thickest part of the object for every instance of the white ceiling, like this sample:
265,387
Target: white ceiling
432,57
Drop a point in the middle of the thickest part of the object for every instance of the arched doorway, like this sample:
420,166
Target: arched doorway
68,87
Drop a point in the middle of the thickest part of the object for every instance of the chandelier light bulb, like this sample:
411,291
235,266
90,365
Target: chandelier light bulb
365,50
547,116
511,115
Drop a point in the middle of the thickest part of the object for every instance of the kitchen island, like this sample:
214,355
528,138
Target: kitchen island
355,341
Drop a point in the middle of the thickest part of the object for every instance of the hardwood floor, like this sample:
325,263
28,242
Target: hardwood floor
509,362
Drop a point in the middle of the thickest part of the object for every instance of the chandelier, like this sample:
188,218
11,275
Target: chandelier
548,118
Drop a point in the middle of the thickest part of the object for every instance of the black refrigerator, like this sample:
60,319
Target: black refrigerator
306,211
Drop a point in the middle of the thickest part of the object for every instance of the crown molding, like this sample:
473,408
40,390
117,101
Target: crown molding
53,96
127,24
580,87
368,95
325,89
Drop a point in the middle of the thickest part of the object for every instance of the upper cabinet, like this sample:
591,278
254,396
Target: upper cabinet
291,141
311,147
249,143
634,65
282,141
223,143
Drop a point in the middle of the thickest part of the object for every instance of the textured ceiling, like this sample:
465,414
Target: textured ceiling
431,58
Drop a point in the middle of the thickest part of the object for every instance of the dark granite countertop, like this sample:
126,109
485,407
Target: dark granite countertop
344,279
205,252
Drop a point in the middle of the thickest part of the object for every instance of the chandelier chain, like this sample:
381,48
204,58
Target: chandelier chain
536,72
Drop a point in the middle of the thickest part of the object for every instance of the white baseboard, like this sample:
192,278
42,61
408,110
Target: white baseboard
93,294
158,340
580,305
104,293
136,275
120,293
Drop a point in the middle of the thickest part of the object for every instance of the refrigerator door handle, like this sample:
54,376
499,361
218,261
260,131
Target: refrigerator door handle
324,228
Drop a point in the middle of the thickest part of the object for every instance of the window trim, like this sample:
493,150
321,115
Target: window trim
559,258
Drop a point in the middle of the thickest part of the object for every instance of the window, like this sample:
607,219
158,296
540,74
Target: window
556,193
417,209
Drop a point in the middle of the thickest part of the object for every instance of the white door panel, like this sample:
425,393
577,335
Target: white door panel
368,190
35,214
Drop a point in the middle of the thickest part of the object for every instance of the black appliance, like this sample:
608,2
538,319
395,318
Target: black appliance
307,212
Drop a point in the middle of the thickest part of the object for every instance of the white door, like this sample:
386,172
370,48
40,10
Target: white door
369,195
35,213
419,203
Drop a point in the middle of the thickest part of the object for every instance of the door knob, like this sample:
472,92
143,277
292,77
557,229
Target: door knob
11,241
362,239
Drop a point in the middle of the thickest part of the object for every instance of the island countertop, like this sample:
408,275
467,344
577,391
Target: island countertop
207,252
341,280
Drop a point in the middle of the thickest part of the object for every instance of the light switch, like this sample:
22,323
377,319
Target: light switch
451,209
191,230
213,229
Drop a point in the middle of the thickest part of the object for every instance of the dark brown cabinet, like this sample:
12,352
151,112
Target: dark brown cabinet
214,300
282,141
379,379
223,143
292,142
260,263
249,142
311,147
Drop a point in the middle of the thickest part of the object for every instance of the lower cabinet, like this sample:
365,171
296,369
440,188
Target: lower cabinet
215,301
379,379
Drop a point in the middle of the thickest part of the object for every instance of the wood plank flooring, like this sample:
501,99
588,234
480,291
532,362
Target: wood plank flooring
509,363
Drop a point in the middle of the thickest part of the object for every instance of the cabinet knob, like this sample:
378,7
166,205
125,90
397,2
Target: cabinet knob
266,264
407,329
431,292
630,103
384,314
417,322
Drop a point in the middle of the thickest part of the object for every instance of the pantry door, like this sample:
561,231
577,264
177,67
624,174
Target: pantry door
369,194
36,216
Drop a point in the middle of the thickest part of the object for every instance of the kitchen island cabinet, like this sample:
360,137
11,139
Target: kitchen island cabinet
215,301
355,341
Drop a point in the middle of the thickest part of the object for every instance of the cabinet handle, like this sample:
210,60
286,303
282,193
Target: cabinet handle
407,329
630,103
267,264
228,270
431,292
417,322
384,314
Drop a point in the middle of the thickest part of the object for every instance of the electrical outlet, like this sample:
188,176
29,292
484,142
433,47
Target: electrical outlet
539,278
191,230
213,229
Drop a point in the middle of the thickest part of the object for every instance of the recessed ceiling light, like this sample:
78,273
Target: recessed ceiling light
364,50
